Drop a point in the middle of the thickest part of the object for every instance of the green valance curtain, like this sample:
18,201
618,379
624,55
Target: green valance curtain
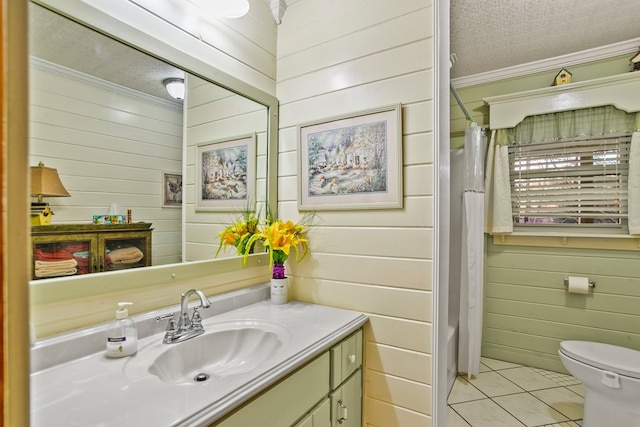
582,123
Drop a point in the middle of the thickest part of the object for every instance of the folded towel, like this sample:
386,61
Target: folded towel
81,254
62,264
129,255
56,272
60,254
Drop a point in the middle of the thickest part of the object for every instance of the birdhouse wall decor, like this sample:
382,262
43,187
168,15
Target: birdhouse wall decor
562,78
635,62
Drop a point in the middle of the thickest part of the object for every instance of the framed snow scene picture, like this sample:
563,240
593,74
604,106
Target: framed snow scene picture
352,161
226,174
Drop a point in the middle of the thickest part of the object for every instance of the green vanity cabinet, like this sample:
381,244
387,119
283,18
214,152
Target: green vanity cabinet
326,392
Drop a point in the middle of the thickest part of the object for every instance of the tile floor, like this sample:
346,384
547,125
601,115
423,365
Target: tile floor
505,394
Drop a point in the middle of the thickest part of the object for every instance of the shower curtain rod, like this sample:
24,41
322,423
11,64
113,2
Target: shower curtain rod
461,104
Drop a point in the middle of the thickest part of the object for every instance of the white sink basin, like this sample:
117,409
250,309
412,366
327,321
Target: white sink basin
224,350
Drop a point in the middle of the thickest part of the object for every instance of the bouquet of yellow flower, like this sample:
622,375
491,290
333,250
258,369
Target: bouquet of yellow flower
276,235
239,233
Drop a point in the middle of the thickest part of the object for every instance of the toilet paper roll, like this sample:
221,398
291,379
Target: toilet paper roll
578,285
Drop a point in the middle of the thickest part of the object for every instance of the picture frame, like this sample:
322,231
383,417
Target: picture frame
226,174
352,161
171,190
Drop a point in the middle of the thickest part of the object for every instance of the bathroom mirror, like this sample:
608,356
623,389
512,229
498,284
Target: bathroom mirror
100,115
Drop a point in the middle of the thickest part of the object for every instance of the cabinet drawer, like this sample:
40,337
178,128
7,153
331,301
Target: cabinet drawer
346,357
287,401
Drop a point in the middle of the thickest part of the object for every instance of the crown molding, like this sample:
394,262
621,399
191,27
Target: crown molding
41,64
577,58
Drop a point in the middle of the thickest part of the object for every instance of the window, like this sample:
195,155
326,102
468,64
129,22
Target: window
577,182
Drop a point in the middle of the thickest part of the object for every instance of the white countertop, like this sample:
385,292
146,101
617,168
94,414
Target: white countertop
98,391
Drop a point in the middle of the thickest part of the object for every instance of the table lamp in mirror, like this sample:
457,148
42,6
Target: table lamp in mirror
45,182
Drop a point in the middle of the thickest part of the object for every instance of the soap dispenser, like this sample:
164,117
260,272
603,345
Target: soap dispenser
122,334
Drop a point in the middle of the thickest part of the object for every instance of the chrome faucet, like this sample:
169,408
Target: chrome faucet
185,328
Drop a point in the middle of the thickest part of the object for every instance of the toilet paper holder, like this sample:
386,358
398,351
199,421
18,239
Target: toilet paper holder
592,284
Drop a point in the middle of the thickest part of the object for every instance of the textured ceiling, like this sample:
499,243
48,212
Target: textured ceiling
488,35
57,39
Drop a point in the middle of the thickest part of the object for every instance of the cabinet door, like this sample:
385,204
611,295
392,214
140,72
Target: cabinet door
121,250
320,416
287,401
58,256
346,403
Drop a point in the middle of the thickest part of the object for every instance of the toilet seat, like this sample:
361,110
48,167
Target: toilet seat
620,360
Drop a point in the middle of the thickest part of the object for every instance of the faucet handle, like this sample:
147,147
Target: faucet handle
196,319
171,326
171,330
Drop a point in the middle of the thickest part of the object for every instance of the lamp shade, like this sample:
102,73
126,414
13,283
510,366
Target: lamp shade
175,87
46,182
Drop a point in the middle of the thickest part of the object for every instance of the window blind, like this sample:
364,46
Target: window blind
580,181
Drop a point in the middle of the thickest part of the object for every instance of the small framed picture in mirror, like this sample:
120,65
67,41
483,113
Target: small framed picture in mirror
226,174
172,190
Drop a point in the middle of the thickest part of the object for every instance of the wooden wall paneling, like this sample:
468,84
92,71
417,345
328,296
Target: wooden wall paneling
416,335
399,30
399,362
393,272
528,310
405,59
407,89
378,413
408,394
362,241
350,17
395,302
340,59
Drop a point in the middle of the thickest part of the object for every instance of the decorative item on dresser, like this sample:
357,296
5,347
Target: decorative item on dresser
73,249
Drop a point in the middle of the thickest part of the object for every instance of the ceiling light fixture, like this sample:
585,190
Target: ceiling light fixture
223,8
175,87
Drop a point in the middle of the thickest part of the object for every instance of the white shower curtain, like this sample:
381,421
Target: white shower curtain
471,282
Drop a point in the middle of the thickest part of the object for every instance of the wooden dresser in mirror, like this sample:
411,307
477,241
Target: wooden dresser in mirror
73,249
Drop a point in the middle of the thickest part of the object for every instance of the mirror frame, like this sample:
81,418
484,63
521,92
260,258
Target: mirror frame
61,289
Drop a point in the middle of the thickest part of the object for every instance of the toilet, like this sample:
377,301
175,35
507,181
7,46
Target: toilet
611,378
